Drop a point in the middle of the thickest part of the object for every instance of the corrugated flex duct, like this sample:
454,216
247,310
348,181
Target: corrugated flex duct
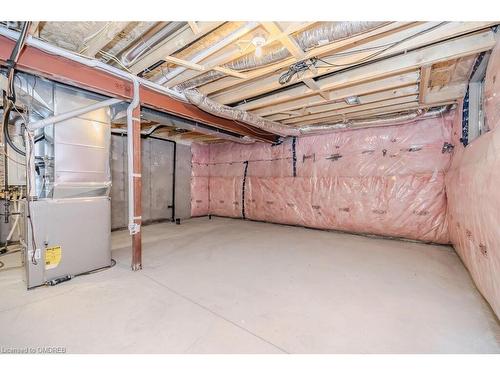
221,110
322,33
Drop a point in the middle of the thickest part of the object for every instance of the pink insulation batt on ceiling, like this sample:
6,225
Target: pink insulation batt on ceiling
386,181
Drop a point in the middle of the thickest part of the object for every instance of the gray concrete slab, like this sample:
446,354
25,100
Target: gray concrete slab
230,286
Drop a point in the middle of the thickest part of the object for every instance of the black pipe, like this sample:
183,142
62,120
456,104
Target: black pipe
9,99
145,136
174,168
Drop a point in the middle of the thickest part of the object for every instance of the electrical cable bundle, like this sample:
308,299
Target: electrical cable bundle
304,65
296,68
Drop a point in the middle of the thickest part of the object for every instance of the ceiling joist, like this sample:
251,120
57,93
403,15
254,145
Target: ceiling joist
271,83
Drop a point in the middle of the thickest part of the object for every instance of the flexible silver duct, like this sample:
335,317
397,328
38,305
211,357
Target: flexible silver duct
153,37
250,61
208,105
323,33
418,114
205,52
221,110
328,32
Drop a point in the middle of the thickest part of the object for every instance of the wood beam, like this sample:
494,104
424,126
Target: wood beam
463,46
235,53
229,72
290,44
312,99
440,94
364,113
101,40
186,36
355,108
184,63
207,52
341,45
425,76
377,97
34,28
194,26
271,82
309,82
203,68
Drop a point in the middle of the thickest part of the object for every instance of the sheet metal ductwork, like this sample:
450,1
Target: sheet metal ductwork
323,33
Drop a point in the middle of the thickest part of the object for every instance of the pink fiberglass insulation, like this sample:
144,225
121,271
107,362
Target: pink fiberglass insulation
492,89
472,185
386,180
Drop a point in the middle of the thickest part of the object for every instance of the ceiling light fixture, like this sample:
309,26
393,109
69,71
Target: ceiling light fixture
258,41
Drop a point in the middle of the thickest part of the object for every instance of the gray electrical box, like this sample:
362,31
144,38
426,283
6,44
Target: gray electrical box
72,236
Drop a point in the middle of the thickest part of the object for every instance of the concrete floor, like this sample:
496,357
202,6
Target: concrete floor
229,286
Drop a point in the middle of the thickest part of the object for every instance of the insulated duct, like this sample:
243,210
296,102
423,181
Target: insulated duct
323,33
152,38
328,32
400,119
164,119
221,110
204,53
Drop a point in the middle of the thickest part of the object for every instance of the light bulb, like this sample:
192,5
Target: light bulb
258,41
258,51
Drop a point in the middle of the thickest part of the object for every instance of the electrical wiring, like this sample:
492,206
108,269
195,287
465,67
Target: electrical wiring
304,65
114,58
28,200
92,36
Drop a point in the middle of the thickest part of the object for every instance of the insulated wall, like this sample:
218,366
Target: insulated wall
472,186
386,181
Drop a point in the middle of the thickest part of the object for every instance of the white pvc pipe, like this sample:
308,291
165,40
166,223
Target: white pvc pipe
46,47
74,113
53,50
132,226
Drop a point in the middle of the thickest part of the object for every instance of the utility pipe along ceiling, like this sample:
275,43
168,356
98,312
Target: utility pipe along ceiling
286,78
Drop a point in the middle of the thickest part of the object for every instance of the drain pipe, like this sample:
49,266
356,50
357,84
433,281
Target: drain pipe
132,226
93,63
67,115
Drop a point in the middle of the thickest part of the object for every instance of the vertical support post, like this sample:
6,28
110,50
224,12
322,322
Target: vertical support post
136,236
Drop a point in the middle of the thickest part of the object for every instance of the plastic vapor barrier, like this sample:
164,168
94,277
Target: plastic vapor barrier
386,181
472,186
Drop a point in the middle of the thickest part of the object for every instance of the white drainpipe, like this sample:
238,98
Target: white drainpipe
67,115
132,226
54,50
